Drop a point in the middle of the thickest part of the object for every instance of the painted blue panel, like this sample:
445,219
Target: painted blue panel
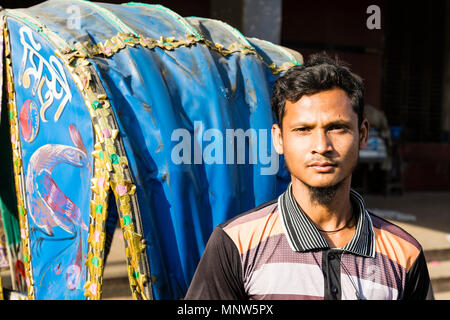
56,138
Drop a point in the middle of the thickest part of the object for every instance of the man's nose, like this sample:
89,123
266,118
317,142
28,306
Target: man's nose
321,142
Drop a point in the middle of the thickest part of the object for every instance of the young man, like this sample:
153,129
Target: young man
317,240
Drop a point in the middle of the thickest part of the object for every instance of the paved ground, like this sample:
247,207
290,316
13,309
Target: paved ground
424,215
115,278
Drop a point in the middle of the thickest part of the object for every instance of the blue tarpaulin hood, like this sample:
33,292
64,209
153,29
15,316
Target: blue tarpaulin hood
177,89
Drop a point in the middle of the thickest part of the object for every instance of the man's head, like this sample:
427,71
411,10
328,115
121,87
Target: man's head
318,74
319,110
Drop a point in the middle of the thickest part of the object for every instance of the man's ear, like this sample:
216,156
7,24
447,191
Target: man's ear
277,138
364,134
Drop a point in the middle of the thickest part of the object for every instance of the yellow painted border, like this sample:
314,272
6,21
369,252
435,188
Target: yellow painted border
122,40
17,165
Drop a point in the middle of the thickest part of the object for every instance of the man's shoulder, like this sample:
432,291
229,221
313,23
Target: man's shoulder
253,214
392,238
393,229
254,226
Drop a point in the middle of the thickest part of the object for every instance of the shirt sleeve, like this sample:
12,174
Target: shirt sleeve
418,284
219,272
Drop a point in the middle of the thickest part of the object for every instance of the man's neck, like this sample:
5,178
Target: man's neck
330,216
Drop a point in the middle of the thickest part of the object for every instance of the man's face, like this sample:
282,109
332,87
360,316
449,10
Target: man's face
320,139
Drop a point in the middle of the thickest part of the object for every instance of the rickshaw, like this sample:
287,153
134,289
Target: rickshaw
127,113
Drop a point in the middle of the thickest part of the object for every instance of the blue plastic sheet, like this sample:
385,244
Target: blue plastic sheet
177,111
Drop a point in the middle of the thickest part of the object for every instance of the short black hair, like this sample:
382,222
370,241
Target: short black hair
319,73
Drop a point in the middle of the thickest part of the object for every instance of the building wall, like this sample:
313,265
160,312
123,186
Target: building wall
446,78
415,90
338,27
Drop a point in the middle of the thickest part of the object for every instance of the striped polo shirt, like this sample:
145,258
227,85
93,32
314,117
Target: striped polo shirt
276,252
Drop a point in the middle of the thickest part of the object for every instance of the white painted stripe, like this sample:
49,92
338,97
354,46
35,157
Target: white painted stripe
368,290
286,278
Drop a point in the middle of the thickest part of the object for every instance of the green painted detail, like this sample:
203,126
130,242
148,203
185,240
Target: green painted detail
94,261
96,104
99,208
114,158
126,219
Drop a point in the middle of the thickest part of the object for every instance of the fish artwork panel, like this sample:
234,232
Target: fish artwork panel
51,208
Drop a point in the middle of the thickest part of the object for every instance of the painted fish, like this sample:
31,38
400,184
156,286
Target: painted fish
49,207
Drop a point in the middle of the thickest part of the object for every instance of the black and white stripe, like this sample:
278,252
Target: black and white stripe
303,235
363,241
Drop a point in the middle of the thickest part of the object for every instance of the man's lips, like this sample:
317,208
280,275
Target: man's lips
323,166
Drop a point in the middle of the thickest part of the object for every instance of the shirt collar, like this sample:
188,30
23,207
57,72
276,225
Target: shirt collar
303,235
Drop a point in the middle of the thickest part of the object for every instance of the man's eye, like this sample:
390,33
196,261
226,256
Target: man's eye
302,129
337,128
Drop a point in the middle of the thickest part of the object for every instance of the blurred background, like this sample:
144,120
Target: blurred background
401,50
